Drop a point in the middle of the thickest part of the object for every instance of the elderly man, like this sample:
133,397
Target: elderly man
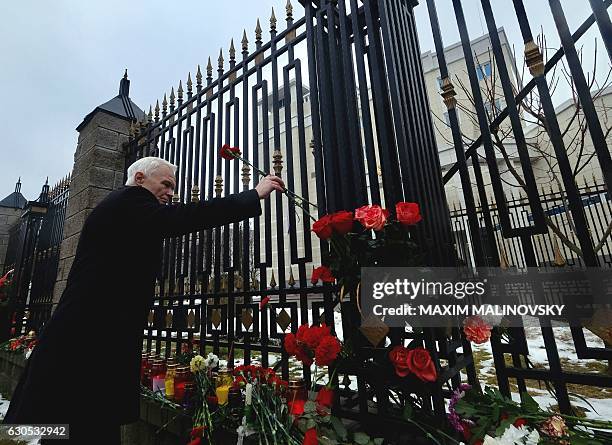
85,369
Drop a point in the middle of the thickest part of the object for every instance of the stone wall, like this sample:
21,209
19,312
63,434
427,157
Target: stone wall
8,218
98,169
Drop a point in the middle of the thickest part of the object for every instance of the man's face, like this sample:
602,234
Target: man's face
160,182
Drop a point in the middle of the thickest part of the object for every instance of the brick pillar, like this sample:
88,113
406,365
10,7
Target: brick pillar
98,169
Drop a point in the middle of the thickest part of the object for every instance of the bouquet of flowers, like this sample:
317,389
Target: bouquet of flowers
202,368
23,343
489,418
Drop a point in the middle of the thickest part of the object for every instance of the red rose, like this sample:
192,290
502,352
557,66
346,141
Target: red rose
399,356
290,344
342,221
328,350
228,152
421,365
408,213
372,217
323,227
322,273
310,438
476,330
296,407
264,302
519,422
325,397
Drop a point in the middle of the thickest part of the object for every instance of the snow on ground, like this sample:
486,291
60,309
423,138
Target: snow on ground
4,404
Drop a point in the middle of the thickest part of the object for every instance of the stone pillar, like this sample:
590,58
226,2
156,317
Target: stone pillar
98,169
8,218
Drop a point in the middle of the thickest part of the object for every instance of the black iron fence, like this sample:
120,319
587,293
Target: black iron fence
33,252
570,227
327,103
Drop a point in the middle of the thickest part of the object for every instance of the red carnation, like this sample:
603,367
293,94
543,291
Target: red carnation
476,329
312,336
408,213
323,227
325,397
327,351
228,152
264,302
290,344
296,407
322,273
196,441
342,222
310,438
519,422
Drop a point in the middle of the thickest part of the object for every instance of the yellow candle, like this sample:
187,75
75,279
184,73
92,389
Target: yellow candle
222,392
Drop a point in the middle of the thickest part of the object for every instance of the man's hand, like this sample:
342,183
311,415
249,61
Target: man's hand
268,184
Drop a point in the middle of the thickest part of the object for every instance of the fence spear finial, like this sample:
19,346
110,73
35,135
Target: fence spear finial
289,9
164,104
209,68
125,75
189,83
273,21
220,59
150,115
157,109
258,32
180,91
199,77
245,41
232,50
172,97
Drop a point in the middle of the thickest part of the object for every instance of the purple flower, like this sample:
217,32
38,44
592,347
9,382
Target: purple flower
454,419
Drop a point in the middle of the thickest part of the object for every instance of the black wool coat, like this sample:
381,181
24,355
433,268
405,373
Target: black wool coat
87,363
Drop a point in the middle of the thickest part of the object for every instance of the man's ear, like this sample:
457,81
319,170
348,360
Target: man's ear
139,178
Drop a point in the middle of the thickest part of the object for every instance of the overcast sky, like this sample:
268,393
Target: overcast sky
62,58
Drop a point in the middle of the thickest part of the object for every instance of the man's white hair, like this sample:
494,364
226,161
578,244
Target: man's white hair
147,166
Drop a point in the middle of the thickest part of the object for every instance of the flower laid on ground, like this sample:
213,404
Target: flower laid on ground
490,418
416,361
476,329
24,344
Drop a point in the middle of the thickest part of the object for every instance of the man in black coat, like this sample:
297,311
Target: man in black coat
85,369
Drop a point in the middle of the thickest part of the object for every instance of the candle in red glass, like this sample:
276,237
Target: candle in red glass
179,383
143,365
158,376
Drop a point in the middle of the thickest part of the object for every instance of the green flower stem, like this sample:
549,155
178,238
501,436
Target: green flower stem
298,200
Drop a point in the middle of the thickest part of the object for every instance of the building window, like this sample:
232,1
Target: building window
483,70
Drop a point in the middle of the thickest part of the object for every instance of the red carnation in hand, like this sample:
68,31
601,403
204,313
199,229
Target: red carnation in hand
322,273
342,222
372,217
228,152
323,227
310,438
325,397
408,213
327,351
476,329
